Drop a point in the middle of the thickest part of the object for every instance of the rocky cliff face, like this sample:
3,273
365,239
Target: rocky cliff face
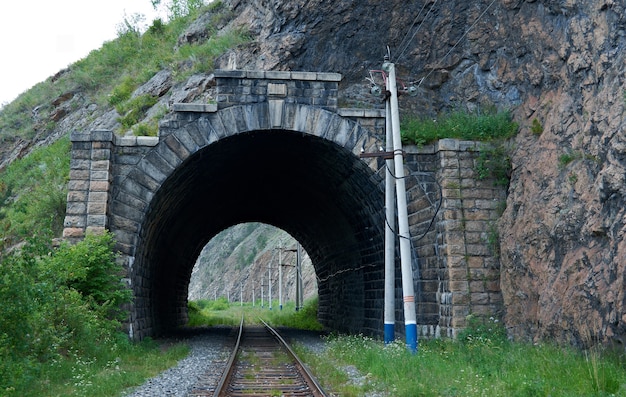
557,64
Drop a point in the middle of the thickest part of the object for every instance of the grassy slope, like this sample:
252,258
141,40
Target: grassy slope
32,202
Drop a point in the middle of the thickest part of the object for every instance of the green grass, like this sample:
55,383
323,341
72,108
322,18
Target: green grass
467,368
221,312
116,368
485,126
33,193
481,362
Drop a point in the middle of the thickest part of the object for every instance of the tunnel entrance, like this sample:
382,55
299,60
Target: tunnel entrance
318,192
238,264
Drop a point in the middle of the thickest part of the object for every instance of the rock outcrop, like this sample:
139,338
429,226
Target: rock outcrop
557,62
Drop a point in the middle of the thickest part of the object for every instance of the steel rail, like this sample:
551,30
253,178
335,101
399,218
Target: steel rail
277,379
310,379
229,365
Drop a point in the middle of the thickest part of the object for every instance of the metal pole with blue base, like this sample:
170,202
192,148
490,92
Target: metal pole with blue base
403,219
390,237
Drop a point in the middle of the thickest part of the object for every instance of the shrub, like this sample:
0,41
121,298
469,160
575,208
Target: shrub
90,268
569,157
122,92
56,303
133,110
536,128
485,126
494,162
305,318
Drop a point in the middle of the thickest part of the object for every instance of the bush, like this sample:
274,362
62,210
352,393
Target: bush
135,109
494,162
122,92
56,303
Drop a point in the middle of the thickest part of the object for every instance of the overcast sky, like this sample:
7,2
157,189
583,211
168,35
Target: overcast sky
40,37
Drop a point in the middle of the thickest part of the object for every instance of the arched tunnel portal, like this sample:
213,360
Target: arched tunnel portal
314,189
276,149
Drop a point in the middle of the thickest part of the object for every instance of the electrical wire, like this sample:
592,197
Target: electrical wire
418,29
432,219
457,42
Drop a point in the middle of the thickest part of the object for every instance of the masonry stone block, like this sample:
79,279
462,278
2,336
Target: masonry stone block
75,221
97,208
78,185
275,110
172,151
80,164
76,208
139,185
147,140
77,196
80,154
99,186
155,168
101,135
96,221
73,232
79,174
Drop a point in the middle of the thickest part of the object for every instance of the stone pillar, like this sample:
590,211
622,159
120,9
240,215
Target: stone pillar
90,181
470,210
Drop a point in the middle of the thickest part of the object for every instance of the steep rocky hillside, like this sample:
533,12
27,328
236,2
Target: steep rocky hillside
557,64
236,264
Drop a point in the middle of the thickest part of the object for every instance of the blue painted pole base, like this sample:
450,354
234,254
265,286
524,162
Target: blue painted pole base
390,333
411,337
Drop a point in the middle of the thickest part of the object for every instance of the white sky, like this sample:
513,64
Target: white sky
40,37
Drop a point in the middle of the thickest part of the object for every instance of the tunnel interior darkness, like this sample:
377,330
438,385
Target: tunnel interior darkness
320,193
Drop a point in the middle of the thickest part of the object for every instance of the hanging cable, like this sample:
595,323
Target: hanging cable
432,219
418,29
457,42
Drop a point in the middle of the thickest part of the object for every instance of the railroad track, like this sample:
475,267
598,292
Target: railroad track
261,364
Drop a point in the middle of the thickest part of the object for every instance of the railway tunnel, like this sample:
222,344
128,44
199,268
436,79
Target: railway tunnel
320,193
276,149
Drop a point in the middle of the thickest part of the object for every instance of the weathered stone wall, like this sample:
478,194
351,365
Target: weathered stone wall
452,218
236,87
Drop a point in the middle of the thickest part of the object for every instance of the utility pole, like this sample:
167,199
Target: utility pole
280,275
299,293
390,238
262,296
410,321
269,279
296,266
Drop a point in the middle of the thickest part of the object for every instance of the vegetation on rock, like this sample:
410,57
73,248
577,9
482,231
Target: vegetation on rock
482,126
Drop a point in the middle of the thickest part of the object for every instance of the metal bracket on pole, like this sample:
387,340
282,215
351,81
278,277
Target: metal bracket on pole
385,155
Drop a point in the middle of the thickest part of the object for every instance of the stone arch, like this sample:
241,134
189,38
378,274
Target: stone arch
210,171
